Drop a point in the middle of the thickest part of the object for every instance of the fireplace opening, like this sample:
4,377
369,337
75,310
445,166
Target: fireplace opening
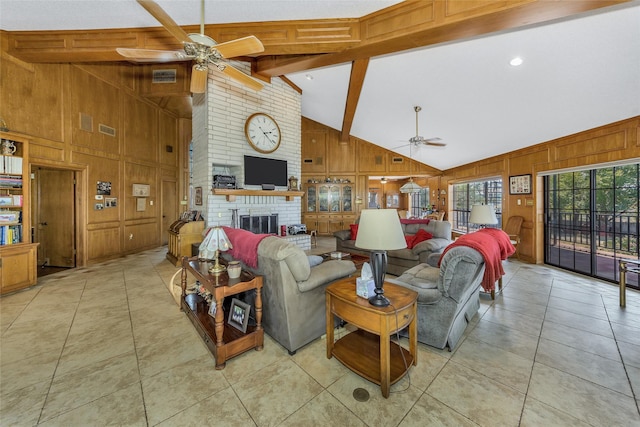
260,224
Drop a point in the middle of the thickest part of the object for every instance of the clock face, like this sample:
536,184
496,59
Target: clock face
262,132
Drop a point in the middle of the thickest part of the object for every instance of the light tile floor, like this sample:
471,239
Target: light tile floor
107,345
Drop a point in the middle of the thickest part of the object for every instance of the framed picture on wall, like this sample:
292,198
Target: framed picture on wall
141,190
198,196
520,184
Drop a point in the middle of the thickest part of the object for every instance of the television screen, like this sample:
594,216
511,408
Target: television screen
259,170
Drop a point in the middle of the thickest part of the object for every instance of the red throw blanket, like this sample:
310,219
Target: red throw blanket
245,245
494,245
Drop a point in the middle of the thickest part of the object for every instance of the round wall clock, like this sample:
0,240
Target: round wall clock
263,132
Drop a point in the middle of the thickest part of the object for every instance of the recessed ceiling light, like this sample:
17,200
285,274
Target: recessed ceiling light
516,61
309,76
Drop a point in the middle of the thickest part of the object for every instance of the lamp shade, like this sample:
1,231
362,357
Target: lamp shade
380,229
483,214
216,239
410,187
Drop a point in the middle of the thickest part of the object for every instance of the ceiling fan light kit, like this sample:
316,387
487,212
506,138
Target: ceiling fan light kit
200,48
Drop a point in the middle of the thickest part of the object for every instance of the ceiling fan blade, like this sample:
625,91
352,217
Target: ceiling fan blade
199,79
149,55
434,142
242,77
167,22
243,46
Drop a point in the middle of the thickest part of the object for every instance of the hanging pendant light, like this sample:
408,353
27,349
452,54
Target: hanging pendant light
411,187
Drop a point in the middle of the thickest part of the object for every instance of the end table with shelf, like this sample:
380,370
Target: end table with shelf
369,351
223,341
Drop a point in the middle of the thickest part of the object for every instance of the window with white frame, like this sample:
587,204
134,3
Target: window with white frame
465,195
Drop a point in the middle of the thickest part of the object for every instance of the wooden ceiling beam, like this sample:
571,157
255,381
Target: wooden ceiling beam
413,24
358,73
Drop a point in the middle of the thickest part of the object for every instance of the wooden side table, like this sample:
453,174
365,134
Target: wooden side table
369,351
223,341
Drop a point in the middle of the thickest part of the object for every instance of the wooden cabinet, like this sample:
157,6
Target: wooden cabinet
182,234
18,256
328,207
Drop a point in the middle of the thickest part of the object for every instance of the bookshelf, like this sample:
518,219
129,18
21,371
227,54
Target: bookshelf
18,256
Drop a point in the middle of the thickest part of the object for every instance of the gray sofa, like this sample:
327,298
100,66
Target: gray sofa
399,261
448,297
293,292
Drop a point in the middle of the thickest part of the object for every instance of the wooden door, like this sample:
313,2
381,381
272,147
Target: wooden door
169,207
56,217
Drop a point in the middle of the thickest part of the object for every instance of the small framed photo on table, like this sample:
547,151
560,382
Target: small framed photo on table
520,184
239,314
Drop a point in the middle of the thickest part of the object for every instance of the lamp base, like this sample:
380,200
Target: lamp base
379,300
379,269
217,268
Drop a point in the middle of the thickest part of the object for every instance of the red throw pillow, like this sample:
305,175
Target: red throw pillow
421,236
354,231
409,240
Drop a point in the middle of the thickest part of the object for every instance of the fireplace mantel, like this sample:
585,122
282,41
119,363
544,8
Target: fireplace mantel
231,194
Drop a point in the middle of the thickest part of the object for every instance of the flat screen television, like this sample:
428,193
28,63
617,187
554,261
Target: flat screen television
260,170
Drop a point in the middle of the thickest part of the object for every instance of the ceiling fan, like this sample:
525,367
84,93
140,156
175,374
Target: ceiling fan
416,140
200,48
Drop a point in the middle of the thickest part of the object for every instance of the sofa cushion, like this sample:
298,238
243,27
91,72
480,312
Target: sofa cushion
420,236
354,231
326,273
314,260
424,280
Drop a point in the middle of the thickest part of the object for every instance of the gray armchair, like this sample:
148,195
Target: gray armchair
293,292
448,297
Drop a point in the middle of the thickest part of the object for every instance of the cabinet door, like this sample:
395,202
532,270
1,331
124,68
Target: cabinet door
334,198
311,198
347,201
336,223
18,267
311,221
323,198
323,224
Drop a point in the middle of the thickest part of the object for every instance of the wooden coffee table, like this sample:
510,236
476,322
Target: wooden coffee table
369,351
358,260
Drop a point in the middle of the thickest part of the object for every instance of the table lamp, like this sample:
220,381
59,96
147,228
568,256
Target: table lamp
215,241
379,230
483,215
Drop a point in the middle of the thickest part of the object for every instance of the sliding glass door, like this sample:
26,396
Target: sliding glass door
592,219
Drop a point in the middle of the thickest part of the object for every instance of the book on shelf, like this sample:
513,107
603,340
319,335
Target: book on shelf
11,165
11,200
10,234
10,181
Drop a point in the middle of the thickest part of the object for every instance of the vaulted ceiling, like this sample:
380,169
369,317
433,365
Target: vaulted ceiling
364,65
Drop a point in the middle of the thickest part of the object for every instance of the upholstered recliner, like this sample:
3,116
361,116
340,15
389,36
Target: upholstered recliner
293,292
448,297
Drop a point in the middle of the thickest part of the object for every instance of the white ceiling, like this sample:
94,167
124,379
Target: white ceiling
577,74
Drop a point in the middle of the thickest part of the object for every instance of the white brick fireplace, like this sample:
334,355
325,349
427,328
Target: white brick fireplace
219,144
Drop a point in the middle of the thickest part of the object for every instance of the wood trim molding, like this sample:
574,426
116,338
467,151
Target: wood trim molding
306,44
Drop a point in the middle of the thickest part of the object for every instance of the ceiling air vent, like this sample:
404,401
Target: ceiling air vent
107,130
397,160
164,76
307,161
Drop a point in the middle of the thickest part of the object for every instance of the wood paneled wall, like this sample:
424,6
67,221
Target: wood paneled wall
60,108
324,156
614,142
